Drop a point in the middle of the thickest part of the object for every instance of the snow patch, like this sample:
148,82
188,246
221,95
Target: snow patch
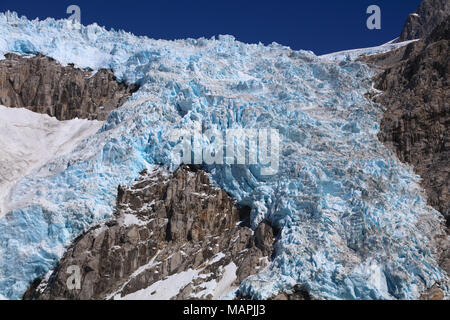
165,289
218,289
29,140
356,53
131,219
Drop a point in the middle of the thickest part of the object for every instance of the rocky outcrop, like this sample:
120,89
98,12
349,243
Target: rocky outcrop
42,85
174,236
389,58
434,293
416,124
426,18
298,292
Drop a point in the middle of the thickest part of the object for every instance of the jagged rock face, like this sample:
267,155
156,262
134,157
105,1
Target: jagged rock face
434,293
426,18
168,227
42,85
387,59
298,292
416,123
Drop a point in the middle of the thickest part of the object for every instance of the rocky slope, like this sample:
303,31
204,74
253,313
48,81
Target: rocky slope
174,236
426,18
416,93
42,85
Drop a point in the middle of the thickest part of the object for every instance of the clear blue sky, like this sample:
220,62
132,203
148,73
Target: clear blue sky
318,25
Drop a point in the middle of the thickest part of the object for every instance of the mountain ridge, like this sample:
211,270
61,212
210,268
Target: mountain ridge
425,19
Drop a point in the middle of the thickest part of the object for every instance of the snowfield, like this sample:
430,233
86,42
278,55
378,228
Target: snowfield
29,140
356,53
355,223
168,288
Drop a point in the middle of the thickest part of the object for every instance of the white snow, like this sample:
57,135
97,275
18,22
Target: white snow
355,53
169,287
164,289
131,219
225,284
219,289
28,140
217,258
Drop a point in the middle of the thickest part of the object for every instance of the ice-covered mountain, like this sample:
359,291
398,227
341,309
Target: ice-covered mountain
354,221
425,19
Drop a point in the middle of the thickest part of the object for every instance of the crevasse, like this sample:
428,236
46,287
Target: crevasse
355,224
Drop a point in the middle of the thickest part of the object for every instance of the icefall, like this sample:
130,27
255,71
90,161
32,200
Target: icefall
354,221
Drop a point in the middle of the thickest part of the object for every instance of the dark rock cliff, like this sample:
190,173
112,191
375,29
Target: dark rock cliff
166,224
42,85
425,19
416,93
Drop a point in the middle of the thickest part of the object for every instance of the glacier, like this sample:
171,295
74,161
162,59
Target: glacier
354,54
354,221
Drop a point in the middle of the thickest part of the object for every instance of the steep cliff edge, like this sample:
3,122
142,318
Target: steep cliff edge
42,85
425,19
416,124
174,236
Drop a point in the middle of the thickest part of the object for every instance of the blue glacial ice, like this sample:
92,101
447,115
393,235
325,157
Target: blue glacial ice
355,223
